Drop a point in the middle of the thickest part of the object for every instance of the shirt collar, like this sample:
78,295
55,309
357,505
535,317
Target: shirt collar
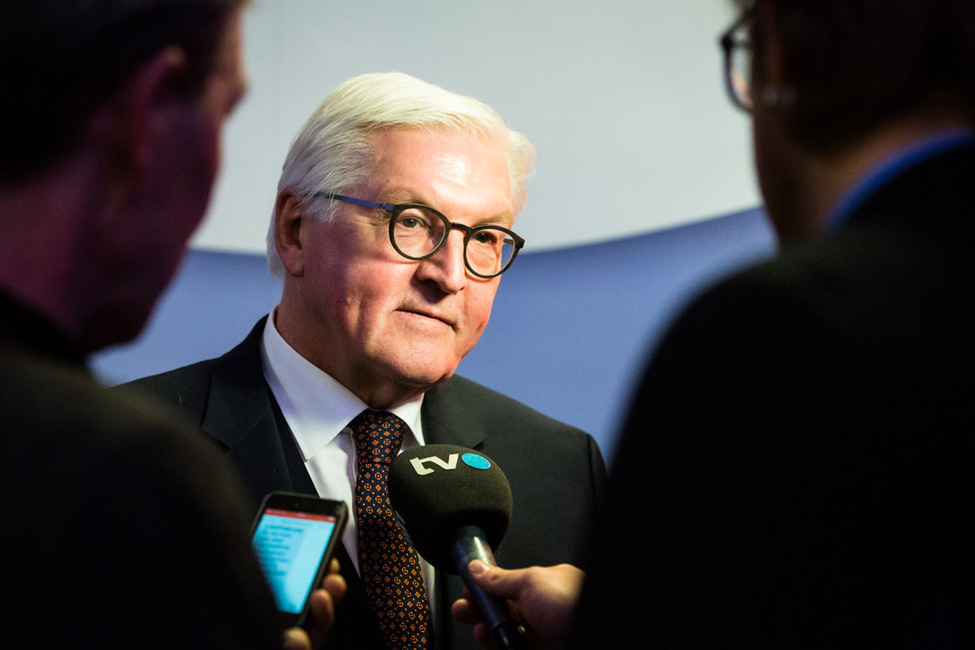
316,406
893,165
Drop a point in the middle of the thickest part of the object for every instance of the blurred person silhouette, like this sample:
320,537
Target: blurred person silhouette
795,470
122,527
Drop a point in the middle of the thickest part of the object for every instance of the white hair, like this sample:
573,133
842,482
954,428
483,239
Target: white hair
332,151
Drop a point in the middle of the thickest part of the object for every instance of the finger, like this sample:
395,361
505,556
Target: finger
496,581
336,587
295,639
321,616
464,611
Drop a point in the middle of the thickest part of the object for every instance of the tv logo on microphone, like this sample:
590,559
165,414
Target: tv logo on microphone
425,466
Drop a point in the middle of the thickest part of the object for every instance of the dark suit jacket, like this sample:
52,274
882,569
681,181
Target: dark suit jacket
555,470
797,467
121,528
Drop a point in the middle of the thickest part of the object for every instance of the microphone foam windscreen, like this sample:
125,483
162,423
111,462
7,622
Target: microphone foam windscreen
438,489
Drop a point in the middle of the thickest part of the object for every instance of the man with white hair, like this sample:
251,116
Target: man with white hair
392,225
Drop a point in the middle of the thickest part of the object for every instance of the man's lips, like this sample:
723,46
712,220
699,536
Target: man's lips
429,314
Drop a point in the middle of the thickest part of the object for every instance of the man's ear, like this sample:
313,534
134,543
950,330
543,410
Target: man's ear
289,218
129,125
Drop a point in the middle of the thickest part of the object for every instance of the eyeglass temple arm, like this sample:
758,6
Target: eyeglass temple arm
388,207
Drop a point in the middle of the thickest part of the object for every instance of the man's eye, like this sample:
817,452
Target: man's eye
486,237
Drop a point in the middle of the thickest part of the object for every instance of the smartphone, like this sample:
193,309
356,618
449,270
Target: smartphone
294,537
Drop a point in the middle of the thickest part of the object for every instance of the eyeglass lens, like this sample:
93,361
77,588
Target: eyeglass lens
739,73
418,232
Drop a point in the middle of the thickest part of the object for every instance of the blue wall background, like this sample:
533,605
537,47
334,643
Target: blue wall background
570,330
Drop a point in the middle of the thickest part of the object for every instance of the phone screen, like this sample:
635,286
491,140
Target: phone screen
292,542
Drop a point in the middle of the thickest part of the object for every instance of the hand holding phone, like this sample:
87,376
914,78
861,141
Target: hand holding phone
294,537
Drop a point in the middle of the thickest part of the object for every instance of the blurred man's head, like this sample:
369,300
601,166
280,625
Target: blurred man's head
111,126
835,69
827,77
63,59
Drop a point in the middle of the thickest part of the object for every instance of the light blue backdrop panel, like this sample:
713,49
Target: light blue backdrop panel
569,333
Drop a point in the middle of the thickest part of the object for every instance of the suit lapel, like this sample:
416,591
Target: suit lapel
449,419
242,414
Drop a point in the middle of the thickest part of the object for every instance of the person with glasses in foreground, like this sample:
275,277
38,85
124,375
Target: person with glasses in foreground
392,227
796,468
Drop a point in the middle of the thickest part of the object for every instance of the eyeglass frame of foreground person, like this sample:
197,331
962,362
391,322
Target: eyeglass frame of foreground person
736,44
396,210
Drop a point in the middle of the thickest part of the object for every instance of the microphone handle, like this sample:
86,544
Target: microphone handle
470,543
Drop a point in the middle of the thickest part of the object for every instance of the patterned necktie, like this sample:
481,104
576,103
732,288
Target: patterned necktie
388,563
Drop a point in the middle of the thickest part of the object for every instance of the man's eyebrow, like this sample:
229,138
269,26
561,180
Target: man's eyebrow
405,195
402,195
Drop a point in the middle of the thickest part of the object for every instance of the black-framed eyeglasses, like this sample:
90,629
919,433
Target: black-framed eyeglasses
417,232
737,47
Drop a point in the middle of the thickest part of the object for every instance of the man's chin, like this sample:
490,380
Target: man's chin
422,381
405,383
